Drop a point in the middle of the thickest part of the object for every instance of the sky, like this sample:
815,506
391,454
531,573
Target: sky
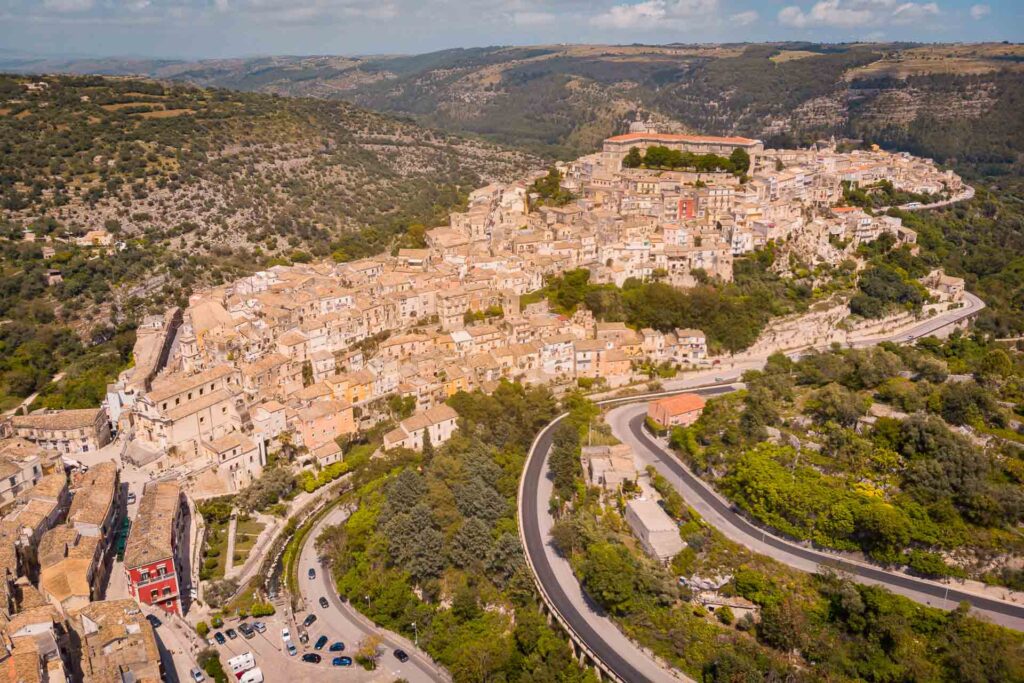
197,29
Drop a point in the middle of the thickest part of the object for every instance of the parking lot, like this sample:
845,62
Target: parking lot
272,658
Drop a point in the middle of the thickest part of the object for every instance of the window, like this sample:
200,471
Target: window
154,594
167,590
144,575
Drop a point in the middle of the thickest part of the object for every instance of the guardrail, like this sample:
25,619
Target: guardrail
584,650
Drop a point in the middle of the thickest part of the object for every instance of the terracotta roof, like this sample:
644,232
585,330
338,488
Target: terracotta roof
683,403
670,137
177,384
94,494
151,535
60,419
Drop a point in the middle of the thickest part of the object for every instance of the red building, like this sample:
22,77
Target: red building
155,558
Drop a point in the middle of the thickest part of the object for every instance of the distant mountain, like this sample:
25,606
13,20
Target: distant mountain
955,102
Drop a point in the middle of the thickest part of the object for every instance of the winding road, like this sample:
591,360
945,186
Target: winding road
593,633
627,423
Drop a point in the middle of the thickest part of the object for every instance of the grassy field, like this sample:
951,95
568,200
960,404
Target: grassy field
246,533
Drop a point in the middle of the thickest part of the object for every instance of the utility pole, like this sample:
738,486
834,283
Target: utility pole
417,632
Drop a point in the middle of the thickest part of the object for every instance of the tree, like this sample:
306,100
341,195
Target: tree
783,625
564,461
838,404
307,373
401,407
368,651
274,484
609,575
414,544
209,660
505,558
740,161
633,159
471,543
883,529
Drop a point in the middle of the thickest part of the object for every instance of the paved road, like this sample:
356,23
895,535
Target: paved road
563,593
624,658
340,621
627,424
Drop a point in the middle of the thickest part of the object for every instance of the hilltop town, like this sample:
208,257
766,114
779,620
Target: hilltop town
310,356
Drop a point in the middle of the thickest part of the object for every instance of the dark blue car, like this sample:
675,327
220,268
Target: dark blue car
338,647
341,661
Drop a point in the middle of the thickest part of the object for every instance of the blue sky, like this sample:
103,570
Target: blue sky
227,28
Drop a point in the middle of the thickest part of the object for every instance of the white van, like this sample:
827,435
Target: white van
251,676
242,663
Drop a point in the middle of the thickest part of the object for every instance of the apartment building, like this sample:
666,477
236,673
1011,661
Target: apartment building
157,549
65,431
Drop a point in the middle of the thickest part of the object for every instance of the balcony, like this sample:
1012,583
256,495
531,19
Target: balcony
155,579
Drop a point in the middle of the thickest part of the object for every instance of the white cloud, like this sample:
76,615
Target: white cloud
309,11
857,13
912,12
745,18
532,18
68,5
980,11
657,14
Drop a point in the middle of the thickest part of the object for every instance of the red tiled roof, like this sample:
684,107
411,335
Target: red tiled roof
671,137
683,403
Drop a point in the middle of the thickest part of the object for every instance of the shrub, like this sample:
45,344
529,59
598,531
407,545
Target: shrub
262,609
209,660
203,629
725,615
217,622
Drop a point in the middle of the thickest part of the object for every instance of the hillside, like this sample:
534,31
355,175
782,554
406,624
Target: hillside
945,101
193,187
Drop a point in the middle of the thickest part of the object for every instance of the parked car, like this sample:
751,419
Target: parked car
310,618
197,675
323,602
292,651
152,619
341,661
338,646
320,643
312,573
285,633
219,637
131,498
231,633
401,656
259,626
311,657
246,631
